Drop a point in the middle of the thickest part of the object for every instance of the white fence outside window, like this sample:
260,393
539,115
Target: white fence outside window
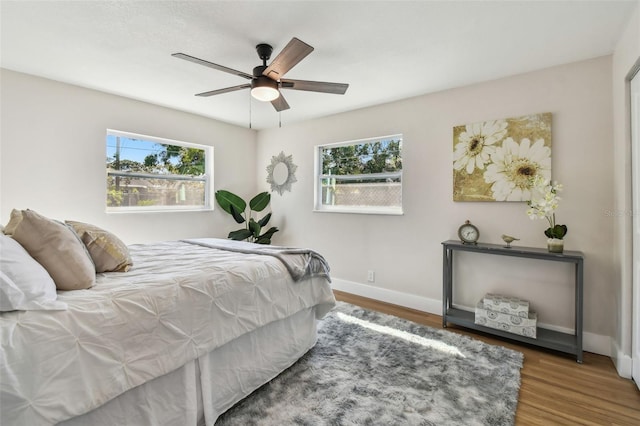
362,176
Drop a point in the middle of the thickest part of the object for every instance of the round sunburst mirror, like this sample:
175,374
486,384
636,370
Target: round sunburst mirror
281,173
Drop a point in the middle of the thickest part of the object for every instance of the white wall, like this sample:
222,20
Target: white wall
626,54
53,153
52,143
405,251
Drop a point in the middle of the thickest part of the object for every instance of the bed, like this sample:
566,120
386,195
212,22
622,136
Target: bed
193,327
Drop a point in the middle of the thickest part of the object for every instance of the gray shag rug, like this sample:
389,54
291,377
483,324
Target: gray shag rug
370,368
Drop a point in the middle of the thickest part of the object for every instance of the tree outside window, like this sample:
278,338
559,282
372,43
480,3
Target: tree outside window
146,173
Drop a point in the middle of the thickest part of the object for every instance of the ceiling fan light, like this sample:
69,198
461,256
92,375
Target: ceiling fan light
264,89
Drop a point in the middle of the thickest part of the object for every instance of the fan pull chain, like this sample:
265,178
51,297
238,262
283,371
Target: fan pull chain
249,110
280,119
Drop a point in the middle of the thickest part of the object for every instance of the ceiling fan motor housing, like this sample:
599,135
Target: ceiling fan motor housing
260,80
257,71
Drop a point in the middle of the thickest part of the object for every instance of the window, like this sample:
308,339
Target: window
363,176
146,173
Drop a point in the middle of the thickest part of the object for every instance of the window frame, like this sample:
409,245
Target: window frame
207,178
319,177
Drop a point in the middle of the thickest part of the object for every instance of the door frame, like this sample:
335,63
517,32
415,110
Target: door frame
634,111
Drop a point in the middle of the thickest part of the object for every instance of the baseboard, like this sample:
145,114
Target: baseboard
407,300
591,342
622,361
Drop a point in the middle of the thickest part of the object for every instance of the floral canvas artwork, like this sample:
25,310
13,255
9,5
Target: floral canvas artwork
498,160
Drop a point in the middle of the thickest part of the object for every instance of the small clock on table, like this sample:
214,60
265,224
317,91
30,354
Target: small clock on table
468,233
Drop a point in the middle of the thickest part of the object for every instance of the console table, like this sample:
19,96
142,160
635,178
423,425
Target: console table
564,342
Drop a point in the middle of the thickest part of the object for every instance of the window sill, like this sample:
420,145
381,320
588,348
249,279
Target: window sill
355,210
133,210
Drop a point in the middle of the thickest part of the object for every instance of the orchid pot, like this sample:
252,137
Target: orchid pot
555,245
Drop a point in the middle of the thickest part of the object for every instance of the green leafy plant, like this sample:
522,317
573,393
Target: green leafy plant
237,208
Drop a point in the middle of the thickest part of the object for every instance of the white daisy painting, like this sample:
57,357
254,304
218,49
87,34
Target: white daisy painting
497,160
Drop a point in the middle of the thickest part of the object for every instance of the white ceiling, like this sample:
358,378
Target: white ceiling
385,50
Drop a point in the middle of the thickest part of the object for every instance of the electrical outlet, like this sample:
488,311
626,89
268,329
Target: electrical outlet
371,276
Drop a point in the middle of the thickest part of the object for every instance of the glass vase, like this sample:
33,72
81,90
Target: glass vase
555,245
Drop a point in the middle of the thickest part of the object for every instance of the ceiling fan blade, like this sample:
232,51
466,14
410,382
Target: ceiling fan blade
226,90
212,65
315,86
295,51
280,103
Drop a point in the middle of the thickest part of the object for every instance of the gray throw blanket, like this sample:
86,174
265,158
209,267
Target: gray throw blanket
301,263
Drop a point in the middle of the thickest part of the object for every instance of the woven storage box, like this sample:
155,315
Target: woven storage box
506,322
506,304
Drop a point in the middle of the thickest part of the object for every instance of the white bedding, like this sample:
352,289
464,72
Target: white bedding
179,302
197,393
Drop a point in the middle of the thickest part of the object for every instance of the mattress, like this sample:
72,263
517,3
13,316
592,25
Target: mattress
178,303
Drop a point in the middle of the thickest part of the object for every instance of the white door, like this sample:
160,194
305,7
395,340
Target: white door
635,146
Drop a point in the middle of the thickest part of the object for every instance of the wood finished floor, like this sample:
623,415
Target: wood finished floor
555,389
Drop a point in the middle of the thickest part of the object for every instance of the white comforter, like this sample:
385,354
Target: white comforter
178,302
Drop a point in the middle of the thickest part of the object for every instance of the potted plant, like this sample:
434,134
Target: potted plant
237,208
543,204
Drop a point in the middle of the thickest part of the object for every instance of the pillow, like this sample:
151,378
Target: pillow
58,249
24,284
108,252
14,221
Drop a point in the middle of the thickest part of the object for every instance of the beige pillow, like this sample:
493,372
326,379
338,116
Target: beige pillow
58,249
108,252
14,221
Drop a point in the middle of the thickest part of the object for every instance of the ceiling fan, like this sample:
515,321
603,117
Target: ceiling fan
267,81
